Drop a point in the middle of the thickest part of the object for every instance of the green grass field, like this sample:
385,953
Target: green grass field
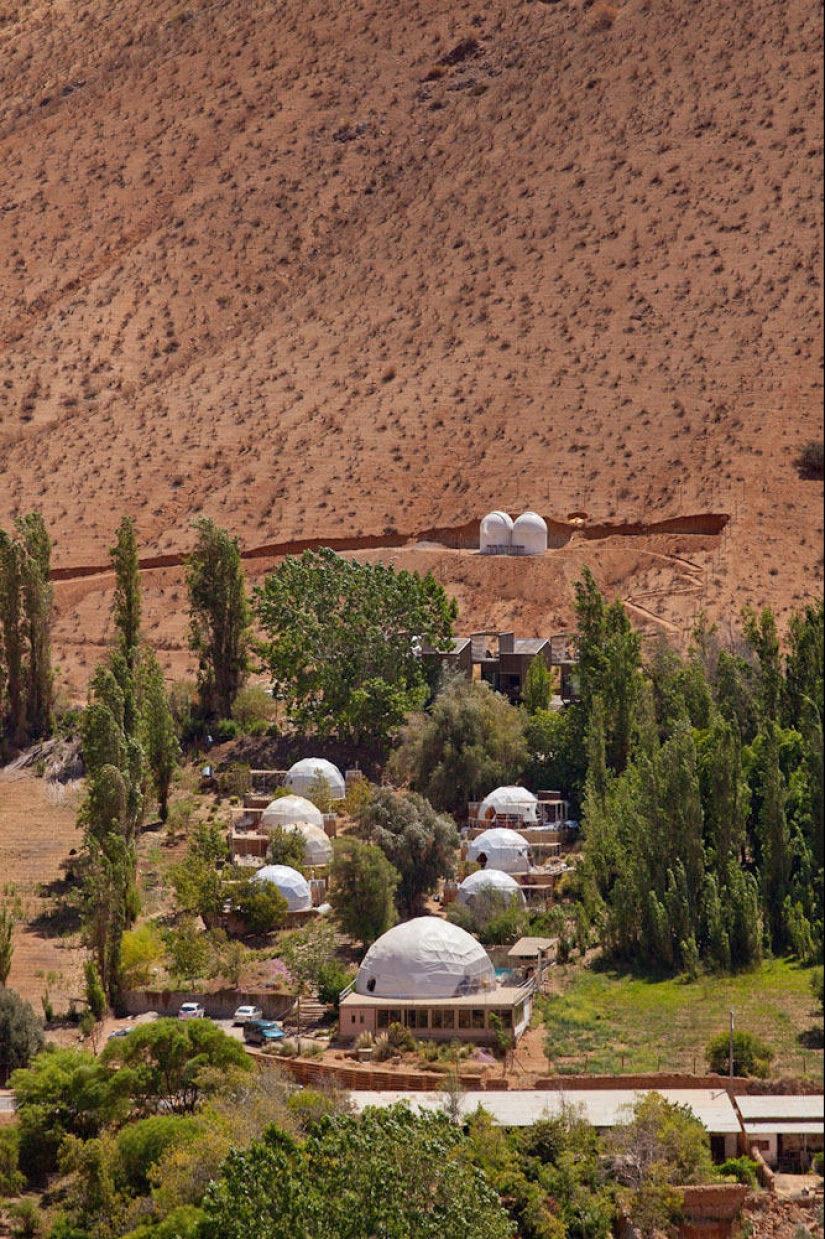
606,1022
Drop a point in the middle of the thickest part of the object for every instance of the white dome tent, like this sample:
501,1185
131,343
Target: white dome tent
292,885
317,847
495,534
504,849
513,801
495,880
529,535
288,809
301,776
425,958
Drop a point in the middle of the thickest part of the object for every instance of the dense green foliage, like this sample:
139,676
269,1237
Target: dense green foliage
362,889
418,842
26,596
21,1033
387,1173
751,1056
469,741
219,631
340,642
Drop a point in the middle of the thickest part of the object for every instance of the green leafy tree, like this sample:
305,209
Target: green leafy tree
387,1172
418,842
127,606
168,1061
751,1055
64,1092
158,734
362,889
21,1032
8,920
198,881
538,687
470,740
219,632
661,1147
26,598
260,904
286,847
341,641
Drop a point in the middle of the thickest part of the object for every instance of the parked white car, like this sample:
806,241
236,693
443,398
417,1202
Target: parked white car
247,1013
191,1011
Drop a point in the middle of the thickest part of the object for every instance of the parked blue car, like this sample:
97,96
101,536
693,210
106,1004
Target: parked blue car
262,1032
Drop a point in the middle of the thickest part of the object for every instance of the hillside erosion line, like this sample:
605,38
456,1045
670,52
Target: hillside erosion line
457,537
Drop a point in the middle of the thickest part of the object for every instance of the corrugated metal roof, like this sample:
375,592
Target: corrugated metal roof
600,1107
779,1106
799,1127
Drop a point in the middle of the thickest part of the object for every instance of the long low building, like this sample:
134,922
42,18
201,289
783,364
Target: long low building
786,1129
601,1108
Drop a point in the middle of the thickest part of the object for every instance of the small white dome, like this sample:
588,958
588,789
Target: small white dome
495,533
317,847
300,777
288,809
505,849
530,534
292,885
513,800
489,880
424,958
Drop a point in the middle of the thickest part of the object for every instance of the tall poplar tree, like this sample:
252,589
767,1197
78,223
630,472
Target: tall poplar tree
219,630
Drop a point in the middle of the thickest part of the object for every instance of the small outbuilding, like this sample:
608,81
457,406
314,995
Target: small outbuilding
288,809
495,881
496,534
529,535
305,775
500,848
509,802
292,885
317,846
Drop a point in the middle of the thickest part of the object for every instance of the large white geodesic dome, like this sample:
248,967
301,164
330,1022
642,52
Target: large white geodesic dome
529,534
513,800
288,809
317,846
505,849
424,958
495,880
292,885
495,532
301,776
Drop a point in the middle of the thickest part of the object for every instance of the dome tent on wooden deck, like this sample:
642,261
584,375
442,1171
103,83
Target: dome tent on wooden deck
499,848
288,809
310,770
292,885
494,880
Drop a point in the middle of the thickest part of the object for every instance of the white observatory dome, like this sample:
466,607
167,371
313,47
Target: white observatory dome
317,847
288,809
489,880
292,885
300,777
505,849
424,958
530,534
496,533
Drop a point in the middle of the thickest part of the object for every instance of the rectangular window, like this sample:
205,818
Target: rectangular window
352,1017
416,1019
463,1018
478,1019
443,1019
383,1019
506,1017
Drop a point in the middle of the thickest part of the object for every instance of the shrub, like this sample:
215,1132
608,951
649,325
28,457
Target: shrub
742,1169
332,978
751,1057
818,1163
810,462
12,1181
400,1038
383,1049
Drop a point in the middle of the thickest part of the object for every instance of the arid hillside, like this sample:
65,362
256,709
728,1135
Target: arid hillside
364,272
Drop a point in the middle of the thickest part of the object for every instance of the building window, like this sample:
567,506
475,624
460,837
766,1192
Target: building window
477,1019
417,1019
383,1020
352,1017
464,1018
506,1017
443,1019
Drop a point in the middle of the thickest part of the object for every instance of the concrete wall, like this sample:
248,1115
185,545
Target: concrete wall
220,1005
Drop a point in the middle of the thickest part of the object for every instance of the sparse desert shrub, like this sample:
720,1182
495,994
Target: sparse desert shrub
382,1049
810,461
603,16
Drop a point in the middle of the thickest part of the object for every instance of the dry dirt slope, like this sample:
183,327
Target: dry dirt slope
338,271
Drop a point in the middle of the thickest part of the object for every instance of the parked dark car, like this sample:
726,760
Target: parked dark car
262,1032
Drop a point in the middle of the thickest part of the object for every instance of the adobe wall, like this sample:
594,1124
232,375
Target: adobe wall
735,1086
